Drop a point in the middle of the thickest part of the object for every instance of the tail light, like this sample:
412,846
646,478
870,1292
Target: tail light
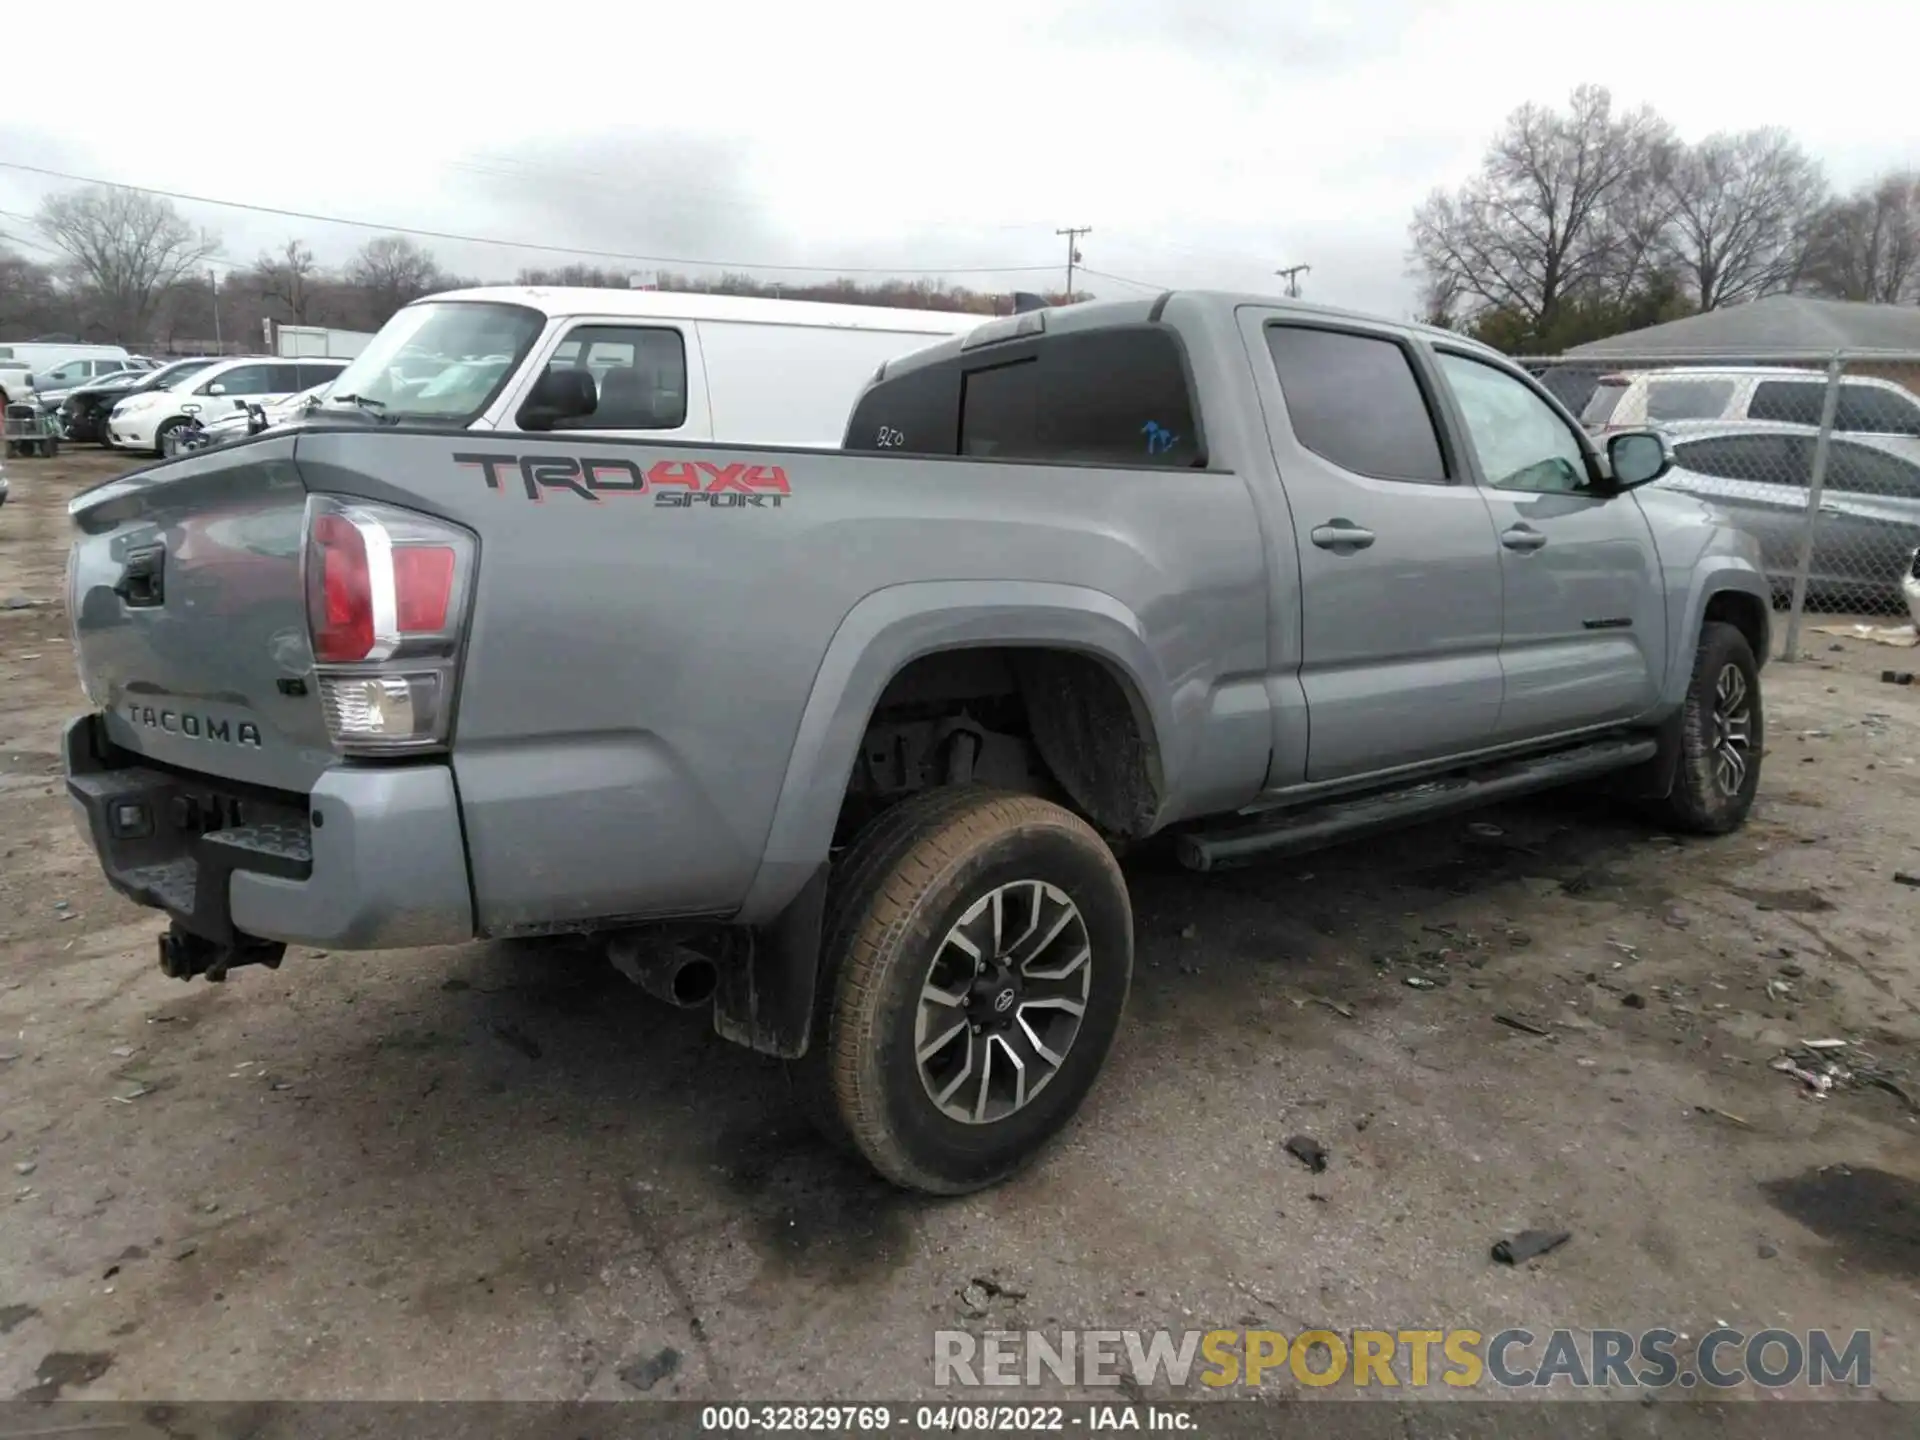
387,598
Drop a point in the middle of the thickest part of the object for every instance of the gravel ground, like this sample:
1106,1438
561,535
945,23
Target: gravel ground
498,1171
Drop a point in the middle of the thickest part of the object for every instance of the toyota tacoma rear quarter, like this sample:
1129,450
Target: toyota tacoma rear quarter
843,744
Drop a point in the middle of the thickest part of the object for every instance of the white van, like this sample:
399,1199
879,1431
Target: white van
22,362
633,362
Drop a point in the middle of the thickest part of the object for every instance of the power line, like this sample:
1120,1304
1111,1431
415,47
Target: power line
446,235
1123,279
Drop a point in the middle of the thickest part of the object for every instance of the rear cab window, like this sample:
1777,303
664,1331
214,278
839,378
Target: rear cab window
1110,396
639,376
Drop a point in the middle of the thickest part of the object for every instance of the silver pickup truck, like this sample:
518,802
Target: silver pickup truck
843,744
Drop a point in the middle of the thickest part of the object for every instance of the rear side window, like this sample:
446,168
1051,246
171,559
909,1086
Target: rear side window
1600,404
285,379
1099,397
639,376
1860,471
1353,399
1884,412
1796,402
241,380
1758,459
1105,397
1684,399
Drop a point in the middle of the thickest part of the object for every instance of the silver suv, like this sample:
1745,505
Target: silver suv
1867,406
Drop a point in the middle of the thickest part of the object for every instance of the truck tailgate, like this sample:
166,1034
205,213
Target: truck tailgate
189,617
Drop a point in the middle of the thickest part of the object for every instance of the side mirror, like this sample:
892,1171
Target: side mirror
558,395
1638,457
216,388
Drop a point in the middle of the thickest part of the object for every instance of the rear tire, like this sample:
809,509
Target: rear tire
945,1070
1722,737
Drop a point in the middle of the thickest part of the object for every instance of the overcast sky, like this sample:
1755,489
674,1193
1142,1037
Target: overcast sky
1206,142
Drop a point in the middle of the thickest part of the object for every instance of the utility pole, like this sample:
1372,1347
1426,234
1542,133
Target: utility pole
213,279
1073,234
1291,274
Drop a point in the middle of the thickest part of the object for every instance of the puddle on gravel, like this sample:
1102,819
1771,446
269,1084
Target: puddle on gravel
1871,1217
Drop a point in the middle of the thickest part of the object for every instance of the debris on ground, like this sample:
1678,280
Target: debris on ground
1485,830
1345,1012
982,1288
1724,1115
515,1037
1897,635
1818,1082
1766,1251
1420,982
1896,677
1906,877
1309,1152
649,1370
1525,1027
1634,1000
1817,1064
1528,1245
24,602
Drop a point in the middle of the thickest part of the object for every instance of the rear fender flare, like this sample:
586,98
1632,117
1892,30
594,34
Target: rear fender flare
887,631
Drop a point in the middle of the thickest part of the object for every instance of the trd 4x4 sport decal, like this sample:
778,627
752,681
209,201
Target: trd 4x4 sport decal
674,484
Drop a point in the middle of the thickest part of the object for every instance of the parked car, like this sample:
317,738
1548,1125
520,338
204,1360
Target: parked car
143,421
1869,518
1867,405
79,372
1030,606
22,361
241,424
667,365
83,413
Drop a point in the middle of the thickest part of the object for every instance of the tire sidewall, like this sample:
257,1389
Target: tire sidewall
1720,646
965,1156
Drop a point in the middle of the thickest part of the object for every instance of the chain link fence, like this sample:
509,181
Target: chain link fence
1817,456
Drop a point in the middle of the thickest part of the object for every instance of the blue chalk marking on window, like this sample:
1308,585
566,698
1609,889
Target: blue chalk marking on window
1159,438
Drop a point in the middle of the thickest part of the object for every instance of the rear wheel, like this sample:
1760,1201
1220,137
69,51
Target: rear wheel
978,953
1722,735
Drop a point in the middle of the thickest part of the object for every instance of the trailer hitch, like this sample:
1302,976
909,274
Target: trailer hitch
184,955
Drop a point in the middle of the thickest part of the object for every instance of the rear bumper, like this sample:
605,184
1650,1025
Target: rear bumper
372,859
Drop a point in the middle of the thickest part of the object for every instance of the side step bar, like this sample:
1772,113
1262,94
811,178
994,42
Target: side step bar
1291,831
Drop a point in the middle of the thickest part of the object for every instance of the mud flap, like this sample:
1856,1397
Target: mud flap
1654,780
765,996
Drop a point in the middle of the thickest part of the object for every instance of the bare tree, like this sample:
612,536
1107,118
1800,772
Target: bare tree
290,279
1740,208
128,246
1538,227
394,272
1867,246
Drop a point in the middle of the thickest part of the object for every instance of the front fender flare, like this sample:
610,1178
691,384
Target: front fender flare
1725,574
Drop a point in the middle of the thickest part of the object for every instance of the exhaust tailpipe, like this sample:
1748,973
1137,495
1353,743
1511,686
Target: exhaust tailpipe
665,969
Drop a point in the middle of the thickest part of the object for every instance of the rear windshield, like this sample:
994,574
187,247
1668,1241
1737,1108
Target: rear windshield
1600,405
440,361
1685,399
1096,397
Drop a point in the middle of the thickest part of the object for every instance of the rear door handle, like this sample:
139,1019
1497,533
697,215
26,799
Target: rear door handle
1522,537
1341,536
